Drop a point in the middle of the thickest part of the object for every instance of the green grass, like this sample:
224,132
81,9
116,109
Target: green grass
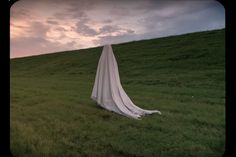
183,76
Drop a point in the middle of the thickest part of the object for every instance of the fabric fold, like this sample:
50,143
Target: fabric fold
108,91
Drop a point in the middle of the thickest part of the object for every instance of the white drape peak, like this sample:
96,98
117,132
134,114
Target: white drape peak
107,89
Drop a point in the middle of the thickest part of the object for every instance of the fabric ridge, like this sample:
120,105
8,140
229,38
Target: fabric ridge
108,91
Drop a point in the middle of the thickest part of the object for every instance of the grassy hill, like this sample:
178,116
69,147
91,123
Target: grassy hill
183,76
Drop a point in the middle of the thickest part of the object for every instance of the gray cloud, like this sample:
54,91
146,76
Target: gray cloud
128,35
52,22
60,29
75,10
39,29
129,20
107,21
62,15
83,29
109,29
160,4
184,21
82,5
113,29
109,39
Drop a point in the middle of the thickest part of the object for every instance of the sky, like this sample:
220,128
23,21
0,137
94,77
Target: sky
47,26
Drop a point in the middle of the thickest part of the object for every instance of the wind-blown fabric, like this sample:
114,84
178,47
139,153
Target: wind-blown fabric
107,89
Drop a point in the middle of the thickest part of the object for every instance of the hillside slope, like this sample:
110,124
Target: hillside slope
182,76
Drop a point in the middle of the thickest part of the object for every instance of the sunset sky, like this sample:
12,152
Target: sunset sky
45,26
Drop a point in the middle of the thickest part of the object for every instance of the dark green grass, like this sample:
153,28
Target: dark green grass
52,114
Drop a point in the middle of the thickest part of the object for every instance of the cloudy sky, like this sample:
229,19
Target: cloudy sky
44,26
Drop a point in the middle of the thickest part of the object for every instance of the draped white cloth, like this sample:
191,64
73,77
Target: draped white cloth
107,89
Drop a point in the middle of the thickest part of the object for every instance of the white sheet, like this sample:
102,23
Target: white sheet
107,89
